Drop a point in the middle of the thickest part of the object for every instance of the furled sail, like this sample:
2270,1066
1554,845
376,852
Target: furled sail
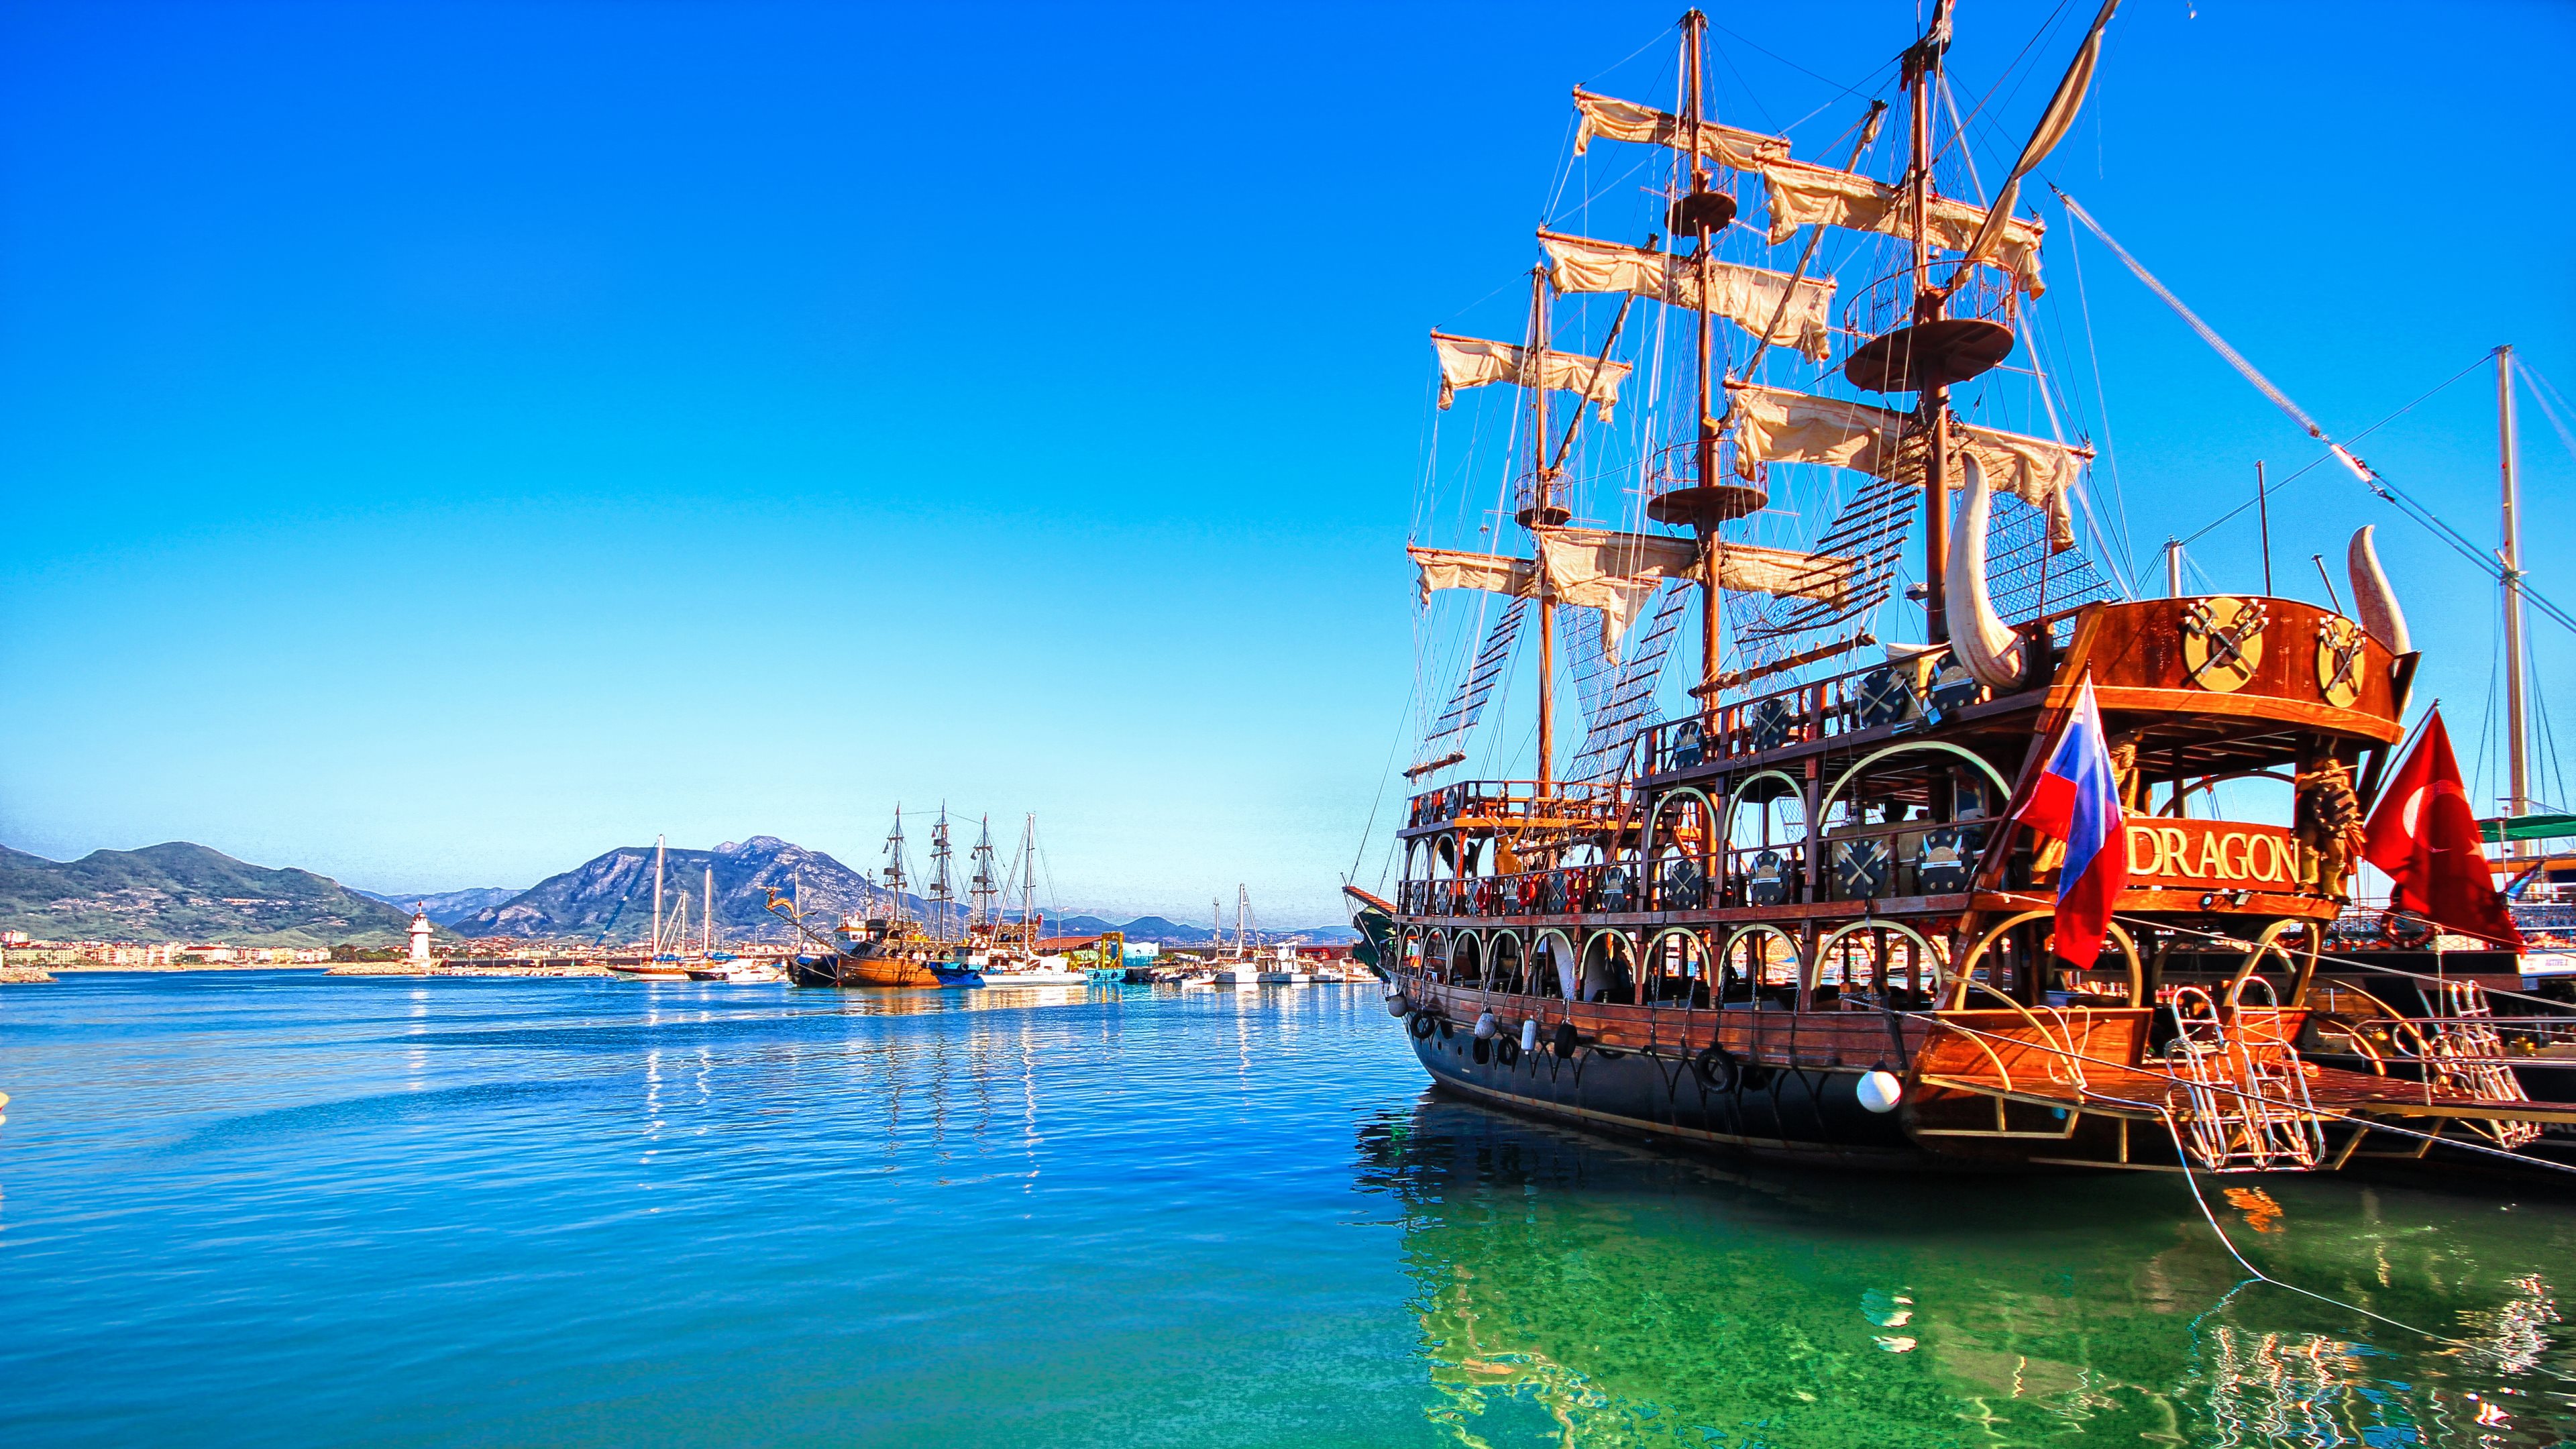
1616,573
1619,120
1807,195
1749,297
1474,362
1774,425
2054,123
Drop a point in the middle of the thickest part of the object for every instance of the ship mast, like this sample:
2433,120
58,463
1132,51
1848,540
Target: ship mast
1932,403
1704,456
983,887
942,893
707,916
657,895
893,872
1542,513
2517,783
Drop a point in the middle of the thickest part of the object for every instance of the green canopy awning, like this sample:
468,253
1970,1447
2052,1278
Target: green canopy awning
2528,827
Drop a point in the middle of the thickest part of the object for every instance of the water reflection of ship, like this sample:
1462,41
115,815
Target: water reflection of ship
1605,1294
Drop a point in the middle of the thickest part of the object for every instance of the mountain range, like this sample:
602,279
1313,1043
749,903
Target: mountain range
610,898
447,907
183,892
180,891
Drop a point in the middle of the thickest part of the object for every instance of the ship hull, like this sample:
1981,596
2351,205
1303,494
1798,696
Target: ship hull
842,970
1802,1114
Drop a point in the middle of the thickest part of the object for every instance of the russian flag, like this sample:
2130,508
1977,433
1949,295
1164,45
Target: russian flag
2077,800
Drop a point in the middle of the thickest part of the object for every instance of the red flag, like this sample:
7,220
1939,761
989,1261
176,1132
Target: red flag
2425,835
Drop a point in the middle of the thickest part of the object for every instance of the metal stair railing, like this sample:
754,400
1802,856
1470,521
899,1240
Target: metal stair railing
2242,1103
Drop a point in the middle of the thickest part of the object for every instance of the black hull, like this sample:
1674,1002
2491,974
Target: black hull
1810,1115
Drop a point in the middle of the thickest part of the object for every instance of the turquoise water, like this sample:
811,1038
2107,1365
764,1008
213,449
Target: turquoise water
287,1209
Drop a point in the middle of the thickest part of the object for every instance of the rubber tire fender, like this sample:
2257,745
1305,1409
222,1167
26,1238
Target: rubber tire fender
1422,1026
1507,1050
1715,1066
1567,1040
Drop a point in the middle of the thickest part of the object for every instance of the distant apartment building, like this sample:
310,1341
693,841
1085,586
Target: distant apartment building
167,953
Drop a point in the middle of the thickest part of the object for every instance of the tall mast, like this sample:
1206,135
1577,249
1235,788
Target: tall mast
1029,883
1704,455
707,916
893,872
1541,514
2518,799
941,893
657,895
984,886
1932,404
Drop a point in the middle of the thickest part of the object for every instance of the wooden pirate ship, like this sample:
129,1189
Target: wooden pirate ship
1798,917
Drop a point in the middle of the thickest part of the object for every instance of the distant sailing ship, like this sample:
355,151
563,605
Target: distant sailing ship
984,947
1803,917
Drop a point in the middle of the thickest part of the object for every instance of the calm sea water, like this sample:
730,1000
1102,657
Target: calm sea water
284,1209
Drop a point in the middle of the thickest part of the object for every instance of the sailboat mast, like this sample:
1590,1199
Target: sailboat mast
1029,883
2518,801
1539,517
1932,404
707,916
657,895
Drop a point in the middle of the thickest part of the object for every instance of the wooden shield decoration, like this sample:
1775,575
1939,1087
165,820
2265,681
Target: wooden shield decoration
2222,641
2339,661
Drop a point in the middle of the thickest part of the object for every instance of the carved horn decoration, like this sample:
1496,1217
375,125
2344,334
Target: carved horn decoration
1981,641
2374,603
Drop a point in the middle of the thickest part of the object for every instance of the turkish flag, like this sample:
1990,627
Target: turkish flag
2425,835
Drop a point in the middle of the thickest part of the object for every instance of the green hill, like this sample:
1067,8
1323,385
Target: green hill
183,892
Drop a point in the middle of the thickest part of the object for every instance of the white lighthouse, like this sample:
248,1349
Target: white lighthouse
420,935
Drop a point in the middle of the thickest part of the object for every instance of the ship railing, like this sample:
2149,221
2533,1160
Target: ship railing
1517,802
1872,697
1884,305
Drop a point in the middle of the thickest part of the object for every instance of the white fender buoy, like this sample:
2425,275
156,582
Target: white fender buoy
1881,1091
1394,1003
1486,1026
1529,1034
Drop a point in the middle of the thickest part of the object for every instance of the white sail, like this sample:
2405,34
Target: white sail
1444,568
1749,297
1728,146
1774,425
1805,195
1476,362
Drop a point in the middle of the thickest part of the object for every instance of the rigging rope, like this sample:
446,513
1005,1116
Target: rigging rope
2405,502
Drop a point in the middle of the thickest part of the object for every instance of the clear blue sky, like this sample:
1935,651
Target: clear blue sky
443,441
